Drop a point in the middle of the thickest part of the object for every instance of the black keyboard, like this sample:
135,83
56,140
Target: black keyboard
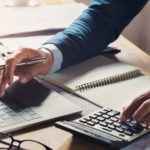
105,127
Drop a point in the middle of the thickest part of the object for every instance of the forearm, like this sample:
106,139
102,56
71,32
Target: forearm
98,26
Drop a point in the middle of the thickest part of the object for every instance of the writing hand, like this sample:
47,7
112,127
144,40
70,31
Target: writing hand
138,109
25,73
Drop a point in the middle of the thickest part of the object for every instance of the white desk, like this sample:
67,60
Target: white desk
62,140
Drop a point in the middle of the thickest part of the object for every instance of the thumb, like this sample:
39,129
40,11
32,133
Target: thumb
24,79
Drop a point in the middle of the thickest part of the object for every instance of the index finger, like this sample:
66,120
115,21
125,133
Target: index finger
17,57
129,110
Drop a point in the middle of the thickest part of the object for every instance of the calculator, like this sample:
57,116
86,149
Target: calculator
103,126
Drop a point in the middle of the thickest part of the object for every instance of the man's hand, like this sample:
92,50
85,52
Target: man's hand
138,109
24,73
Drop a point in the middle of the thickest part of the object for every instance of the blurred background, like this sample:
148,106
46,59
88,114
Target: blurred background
138,31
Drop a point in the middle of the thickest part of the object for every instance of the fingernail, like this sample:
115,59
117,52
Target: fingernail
23,80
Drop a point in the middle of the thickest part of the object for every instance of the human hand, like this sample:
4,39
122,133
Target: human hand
25,73
138,109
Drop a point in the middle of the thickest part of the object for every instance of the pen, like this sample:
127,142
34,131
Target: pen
5,53
29,62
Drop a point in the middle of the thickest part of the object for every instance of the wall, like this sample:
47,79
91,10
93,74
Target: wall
138,31
84,1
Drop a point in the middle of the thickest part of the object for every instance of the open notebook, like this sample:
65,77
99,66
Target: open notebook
102,81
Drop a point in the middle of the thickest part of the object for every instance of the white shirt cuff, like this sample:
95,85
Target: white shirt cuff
57,54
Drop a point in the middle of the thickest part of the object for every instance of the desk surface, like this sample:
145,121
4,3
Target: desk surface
62,140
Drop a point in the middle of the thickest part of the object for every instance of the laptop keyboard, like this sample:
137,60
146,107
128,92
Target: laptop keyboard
107,120
12,114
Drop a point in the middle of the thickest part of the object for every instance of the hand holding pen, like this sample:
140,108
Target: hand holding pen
5,54
25,63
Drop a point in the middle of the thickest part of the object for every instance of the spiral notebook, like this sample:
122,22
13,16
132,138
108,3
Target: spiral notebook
102,81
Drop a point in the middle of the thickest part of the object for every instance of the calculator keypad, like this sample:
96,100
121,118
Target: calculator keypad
107,120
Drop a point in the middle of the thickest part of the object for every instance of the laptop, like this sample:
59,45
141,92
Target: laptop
32,103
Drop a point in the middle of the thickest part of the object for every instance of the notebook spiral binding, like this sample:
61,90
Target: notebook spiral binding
108,80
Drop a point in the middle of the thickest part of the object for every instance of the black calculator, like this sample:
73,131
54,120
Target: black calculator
103,126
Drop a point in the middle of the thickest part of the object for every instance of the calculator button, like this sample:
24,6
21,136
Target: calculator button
117,124
119,130
98,113
128,133
134,130
117,116
87,118
131,124
103,111
139,127
132,121
114,119
100,118
103,124
83,120
113,113
95,121
125,127
93,116
109,121
90,123
111,126
105,116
